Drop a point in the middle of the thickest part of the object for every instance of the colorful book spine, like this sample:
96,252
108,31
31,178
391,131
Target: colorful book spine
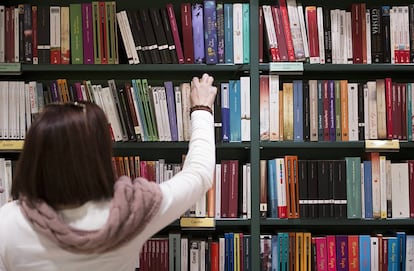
220,32
342,252
76,41
272,180
225,111
87,34
228,33
210,35
235,110
246,32
364,253
197,12
169,88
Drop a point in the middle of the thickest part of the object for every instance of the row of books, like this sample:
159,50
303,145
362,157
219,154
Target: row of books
5,180
229,251
136,110
229,197
91,33
335,110
285,251
372,187
316,34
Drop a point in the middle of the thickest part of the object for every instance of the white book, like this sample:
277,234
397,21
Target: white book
321,34
281,187
3,108
184,254
269,27
33,97
366,112
264,107
274,124
400,190
3,196
383,186
122,28
155,103
348,35
194,255
388,188
372,110
55,29
381,109
405,35
201,206
368,35
222,252
295,30
353,111
108,103
179,112
2,33
164,113
129,38
202,266
186,104
238,33
393,33
374,253
342,49
409,252
334,34
245,107
218,190
14,109
8,179
25,114
303,30
313,109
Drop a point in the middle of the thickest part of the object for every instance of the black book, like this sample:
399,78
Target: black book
115,95
386,32
169,35
339,189
411,30
136,35
303,188
126,115
43,34
327,35
149,36
313,210
160,36
323,188
306,111
361,116
376,35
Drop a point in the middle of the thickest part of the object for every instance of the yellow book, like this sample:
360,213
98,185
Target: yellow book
236,252
299,251
307,251
288,111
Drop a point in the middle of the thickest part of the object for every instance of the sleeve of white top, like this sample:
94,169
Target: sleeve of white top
196,176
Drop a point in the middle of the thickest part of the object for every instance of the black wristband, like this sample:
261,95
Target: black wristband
201,107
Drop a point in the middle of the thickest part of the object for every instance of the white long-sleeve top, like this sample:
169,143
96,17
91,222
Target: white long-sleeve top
22,248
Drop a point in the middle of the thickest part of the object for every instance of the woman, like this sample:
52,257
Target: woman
69,215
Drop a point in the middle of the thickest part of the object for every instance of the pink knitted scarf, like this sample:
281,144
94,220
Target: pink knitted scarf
132,207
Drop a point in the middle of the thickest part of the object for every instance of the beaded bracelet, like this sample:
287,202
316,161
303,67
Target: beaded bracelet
201,107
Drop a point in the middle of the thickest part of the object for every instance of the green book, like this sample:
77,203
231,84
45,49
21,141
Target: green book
353,187
246,33
76,41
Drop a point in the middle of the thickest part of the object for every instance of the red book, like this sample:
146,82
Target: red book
233,195
353,252
286,27
214,256
356,25
225,176
331,252
363,17
176,35
280,36
384,254
313,38
103,30
321,253
187,30
388,104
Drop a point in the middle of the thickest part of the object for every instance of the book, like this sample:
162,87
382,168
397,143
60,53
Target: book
160,35
187,32
353,181
211,32
174,30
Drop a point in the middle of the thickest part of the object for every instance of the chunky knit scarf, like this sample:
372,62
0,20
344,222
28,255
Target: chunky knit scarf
134,204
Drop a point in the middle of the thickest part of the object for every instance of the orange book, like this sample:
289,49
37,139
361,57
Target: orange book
263,188
353,252
374,157
211,198
344,111
63,90
126,165
214,256
307,251
299,252
292,250
292,189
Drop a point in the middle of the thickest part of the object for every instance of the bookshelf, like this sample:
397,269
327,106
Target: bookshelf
252,151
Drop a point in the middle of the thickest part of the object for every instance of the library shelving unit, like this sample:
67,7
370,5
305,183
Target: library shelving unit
252,151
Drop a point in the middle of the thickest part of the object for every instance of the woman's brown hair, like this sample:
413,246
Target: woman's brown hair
66,159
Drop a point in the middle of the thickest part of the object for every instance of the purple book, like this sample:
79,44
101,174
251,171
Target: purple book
332,114
210,25
342,252
88,57
169,90
198,32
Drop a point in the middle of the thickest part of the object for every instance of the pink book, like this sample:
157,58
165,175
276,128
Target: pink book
88,57
321,259
331,252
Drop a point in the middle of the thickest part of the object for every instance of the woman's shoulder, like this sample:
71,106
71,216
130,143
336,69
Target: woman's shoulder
10,215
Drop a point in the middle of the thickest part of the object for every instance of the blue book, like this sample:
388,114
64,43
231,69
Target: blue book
364,253
220,33
272,188
283,240
235,110
231,251
297,110
210,35
228,33
353,187
225,111
197,12
332,114
393,254
368,189
246,33
402,242
275,252
172,117
141,113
